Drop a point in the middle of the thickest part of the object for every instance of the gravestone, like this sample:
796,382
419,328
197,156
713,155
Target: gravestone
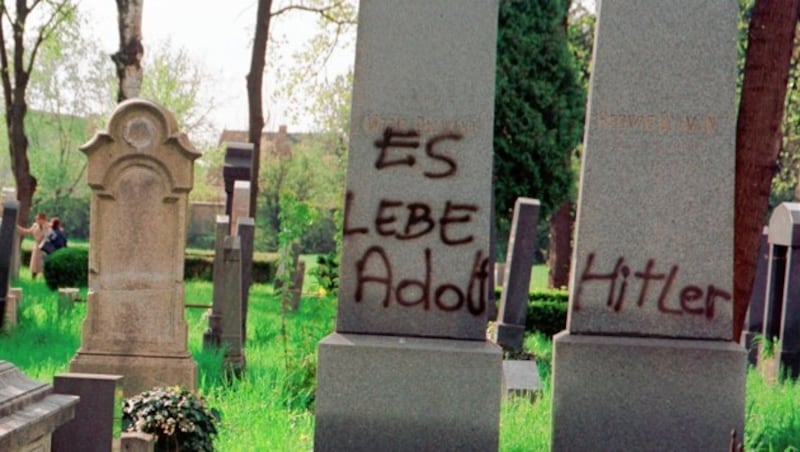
241,203
29,411
13,301
231,338
755,309
647,361
67,296
510,330
137,442
8,229
409,364
246,231
10,196
140,171
238,166
92,429
211,338
291,299
782,310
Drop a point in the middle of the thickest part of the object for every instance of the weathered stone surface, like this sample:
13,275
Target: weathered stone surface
654,247
622,393
212,335
521,378
137,442
140,171
93,426
238,166
241,204
407,394
246,230
510,331
419,176
8,229
66,298
29,411
231,338
782,310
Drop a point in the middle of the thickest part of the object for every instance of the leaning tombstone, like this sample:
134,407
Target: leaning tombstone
754,323
8,229
510,330
140,171
29,411
238,166
409,364
782,310
647,361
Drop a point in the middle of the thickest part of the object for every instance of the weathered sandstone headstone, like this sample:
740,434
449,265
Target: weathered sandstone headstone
647,361
510,330
140,171
246,230
782,310
409,365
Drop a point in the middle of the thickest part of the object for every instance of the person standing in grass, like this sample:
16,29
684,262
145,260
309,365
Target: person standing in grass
38,231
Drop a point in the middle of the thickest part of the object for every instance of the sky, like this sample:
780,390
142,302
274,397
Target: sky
218,36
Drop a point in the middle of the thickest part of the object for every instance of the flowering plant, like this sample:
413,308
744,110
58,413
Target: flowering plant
177,417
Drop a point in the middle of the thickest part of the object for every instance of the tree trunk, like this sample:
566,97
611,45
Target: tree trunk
128,59
560,247
255,80
758,136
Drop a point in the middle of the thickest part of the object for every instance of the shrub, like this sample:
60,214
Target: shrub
178,418
67,267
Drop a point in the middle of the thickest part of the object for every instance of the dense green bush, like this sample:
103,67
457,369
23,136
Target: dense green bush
67,267
178,418
547,311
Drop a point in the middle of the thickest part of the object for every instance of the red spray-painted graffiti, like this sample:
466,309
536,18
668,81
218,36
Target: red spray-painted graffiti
691,300
404,220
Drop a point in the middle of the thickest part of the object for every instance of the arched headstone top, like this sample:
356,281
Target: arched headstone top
784,225
140,130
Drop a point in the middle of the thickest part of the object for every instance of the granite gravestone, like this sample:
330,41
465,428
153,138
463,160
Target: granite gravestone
647,361
510,330
140,171
754,324
782,310
211,337
8,229
409,364
231,338
92,429
238,166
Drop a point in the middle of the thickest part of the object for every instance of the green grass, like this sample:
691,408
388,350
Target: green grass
271,406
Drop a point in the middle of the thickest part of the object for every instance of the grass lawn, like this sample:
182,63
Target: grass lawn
271,407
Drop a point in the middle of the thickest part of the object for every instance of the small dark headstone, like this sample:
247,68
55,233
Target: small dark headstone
92,429
238,166
7,233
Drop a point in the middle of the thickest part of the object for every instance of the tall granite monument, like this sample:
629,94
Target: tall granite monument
140,171
647,361
409,364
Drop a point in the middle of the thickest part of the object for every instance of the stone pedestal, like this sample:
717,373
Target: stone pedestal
142,372
407,394
646,393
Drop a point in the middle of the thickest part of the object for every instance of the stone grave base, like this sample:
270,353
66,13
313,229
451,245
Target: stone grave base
407,394
141,372
625,393
521,378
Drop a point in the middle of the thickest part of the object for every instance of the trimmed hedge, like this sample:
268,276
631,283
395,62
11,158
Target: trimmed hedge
66,267
197,264
547,311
